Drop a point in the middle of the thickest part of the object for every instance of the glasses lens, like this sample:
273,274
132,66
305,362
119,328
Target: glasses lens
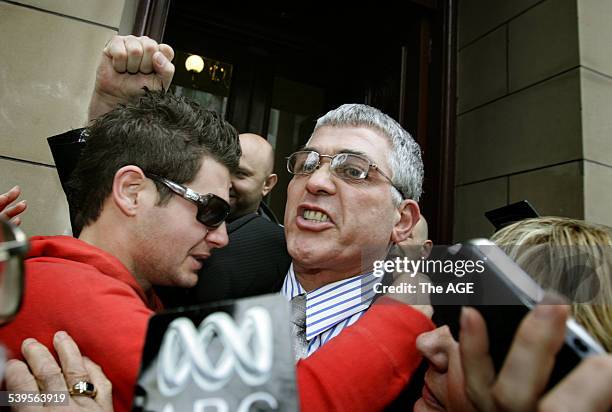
213,211
11,271
11,287
303,163
350,167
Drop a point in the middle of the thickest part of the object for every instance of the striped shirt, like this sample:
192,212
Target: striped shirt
332,307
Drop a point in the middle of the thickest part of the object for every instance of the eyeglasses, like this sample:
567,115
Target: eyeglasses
212,210
13,247
346,166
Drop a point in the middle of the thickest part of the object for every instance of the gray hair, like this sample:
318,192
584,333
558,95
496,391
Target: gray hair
405,157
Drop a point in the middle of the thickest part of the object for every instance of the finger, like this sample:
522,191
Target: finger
104,387
134,54
164,69
527,367
116,51
14,210
71,359
586,388
166,51
19,379
9,197
149,48
16,221
475,359
434,345
43,366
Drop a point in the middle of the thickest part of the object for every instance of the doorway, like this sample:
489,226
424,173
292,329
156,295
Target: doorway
291,65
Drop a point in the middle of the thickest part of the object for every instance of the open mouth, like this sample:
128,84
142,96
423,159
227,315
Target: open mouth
196,264
430,399
198,261
315,216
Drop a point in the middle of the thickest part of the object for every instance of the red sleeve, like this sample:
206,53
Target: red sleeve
367,365
107,320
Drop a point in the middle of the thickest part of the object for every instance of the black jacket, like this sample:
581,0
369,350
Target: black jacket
254,262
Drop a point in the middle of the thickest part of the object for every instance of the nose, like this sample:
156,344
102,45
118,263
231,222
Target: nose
320,181
436,346
217,238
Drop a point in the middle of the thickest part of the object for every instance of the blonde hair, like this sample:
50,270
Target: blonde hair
572,257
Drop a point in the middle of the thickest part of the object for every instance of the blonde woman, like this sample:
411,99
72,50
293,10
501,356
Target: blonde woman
572,257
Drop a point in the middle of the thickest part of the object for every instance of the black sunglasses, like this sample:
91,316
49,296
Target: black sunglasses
212,210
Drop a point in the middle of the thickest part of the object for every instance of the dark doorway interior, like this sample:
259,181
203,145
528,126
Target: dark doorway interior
290,65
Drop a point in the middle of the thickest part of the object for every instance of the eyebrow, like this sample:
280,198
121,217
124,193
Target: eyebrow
347,151
244,171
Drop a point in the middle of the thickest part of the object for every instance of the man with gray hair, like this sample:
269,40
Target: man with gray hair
353,195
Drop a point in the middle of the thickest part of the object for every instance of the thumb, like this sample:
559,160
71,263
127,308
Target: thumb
164,68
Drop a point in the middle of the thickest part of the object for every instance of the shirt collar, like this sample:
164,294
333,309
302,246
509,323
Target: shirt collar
331,303
291,286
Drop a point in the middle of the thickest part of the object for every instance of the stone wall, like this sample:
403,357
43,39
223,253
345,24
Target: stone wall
49,52
534,109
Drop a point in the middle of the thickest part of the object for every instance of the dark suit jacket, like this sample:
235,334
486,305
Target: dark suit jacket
254,262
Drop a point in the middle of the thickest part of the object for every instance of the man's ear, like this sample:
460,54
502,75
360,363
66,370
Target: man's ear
426,248
269,183
409,215
128,185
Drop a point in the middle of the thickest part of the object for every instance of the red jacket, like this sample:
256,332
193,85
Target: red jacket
73,286
78,288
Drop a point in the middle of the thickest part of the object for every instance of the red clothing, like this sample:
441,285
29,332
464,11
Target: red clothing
366,366
76,287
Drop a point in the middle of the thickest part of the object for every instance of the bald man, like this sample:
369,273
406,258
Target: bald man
255,177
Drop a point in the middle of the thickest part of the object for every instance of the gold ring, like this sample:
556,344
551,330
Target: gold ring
83,388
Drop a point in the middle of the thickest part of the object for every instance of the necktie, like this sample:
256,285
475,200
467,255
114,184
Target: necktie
298,320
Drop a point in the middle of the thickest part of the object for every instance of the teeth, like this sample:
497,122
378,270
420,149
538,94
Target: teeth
316,216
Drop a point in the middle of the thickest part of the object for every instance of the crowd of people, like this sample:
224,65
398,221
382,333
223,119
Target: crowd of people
166,207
